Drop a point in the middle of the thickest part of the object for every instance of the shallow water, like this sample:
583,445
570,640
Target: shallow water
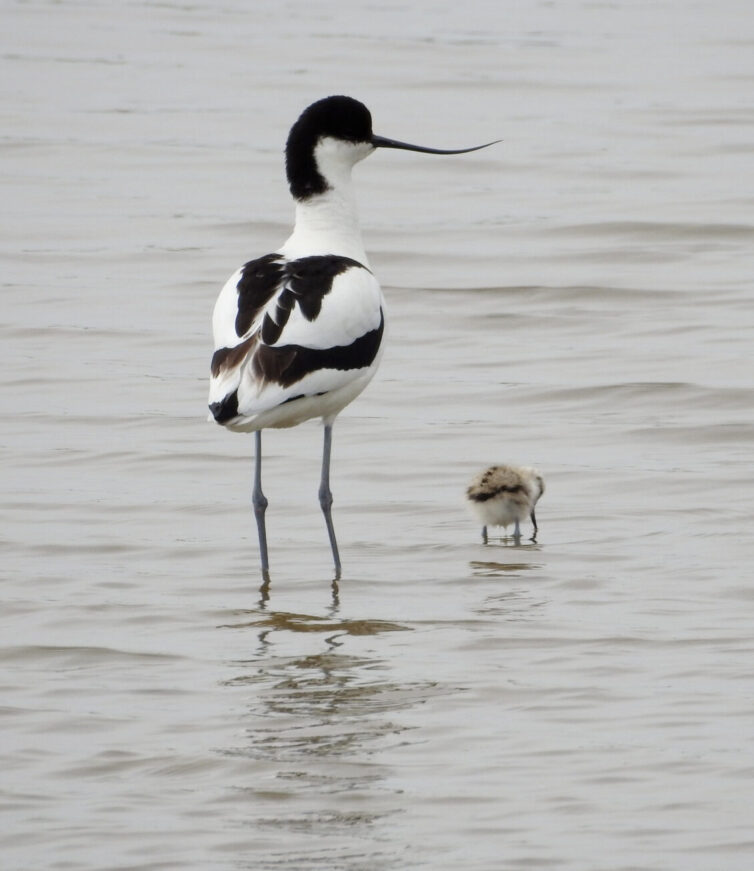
577,298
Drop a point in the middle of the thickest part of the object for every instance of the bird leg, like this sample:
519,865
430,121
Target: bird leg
517,531
259,501
325,497
484,535
534,521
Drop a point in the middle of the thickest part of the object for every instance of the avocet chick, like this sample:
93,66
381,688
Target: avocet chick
502,495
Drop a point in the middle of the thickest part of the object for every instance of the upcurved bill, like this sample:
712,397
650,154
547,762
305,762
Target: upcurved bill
383,142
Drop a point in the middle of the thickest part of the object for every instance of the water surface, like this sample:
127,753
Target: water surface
577,298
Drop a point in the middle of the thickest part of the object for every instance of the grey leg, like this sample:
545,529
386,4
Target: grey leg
517,530
534,521
259,501
325,497
484,535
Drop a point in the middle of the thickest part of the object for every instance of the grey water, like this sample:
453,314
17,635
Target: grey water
578,297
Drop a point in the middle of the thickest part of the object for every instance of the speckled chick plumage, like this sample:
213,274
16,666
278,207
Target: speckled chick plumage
505,495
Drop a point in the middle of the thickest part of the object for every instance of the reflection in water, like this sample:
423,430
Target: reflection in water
512,605
516,604
264,594
512,541
491,569
288,621
313,725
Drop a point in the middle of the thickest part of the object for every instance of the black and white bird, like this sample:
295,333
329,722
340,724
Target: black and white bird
298,333
502,495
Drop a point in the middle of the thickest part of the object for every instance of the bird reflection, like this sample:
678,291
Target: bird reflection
487,569
314,714
264,595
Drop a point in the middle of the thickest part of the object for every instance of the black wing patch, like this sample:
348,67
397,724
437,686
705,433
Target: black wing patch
258,283
307,281
287,364
311,279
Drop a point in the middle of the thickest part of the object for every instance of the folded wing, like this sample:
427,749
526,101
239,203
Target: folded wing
286,330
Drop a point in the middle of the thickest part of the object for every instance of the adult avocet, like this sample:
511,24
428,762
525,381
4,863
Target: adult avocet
298,333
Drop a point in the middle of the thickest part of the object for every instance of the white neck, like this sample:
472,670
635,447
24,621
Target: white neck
328,223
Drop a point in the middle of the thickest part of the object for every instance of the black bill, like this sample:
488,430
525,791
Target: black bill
383,142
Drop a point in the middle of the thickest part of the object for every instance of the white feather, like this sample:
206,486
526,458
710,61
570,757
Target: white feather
224,314
350,309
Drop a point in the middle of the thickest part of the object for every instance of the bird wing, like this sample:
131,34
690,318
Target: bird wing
286,329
